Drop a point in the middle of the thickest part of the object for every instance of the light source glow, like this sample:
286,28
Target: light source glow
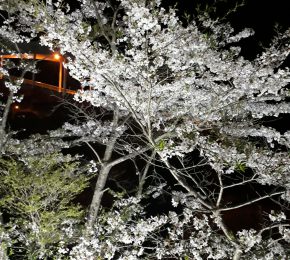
56,56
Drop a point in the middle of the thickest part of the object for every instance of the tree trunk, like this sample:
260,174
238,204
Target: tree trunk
97,197
103,176
3,135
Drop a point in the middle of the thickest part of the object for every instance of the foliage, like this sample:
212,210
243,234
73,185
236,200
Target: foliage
168,91
37,194
125,232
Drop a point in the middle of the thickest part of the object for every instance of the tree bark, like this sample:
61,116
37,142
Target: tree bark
3,135
97,197
102,177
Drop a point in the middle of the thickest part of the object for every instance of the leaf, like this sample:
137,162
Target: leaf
241,167
161,145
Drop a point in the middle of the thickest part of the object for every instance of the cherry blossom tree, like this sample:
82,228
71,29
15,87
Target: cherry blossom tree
172,89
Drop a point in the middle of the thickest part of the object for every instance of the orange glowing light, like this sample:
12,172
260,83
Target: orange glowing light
16,107
56,56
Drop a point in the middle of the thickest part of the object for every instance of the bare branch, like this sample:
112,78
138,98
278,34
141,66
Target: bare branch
251,201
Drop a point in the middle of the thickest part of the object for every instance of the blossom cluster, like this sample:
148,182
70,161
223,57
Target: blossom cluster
176,89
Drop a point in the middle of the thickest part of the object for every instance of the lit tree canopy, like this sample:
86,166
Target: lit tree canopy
171,88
